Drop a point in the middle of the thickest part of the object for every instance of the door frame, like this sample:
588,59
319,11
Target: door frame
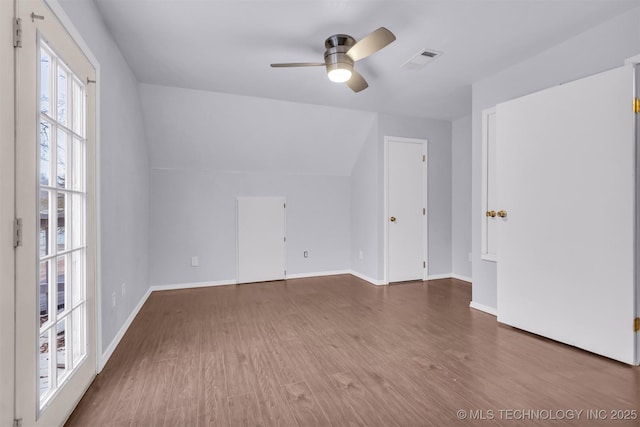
425,218
7,213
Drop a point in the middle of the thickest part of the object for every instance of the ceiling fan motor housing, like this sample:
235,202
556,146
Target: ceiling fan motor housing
336,56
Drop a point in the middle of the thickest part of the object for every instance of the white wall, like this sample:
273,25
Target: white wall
461,197
209,148
603,47
366,201
123,174
193,213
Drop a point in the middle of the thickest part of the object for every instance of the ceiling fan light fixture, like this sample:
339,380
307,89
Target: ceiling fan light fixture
339,75
339,66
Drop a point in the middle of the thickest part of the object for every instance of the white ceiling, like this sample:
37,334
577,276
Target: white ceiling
227,45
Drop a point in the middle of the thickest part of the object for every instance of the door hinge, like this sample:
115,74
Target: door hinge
17,232
17,422
636,105
285,238
17,32
424,264
424,211
424,158
636,324
285,206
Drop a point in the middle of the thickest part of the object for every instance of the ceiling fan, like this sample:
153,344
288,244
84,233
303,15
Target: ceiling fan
342,51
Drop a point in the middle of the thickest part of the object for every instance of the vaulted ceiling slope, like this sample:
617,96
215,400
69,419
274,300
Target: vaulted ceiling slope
227,45
189,129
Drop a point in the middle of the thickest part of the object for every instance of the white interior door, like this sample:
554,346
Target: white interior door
406,207
261,239
566,177
55,198
7,186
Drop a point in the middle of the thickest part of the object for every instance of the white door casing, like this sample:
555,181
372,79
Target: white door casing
566,178
41,26
261,239
406,208
7,186
489,208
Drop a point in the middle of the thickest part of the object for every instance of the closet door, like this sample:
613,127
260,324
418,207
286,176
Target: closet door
566,185
261,239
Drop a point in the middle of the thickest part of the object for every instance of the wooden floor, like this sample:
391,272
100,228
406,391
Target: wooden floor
338,351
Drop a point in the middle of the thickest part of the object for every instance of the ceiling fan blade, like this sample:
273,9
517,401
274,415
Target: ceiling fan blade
371,43
357,83
299,64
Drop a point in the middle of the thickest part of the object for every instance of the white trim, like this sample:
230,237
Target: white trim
174,286
317,274
633,60
425,218
461,277
104,357
484,255
484,308
439,276
368,279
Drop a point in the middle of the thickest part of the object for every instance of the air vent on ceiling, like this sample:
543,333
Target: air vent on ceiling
421,59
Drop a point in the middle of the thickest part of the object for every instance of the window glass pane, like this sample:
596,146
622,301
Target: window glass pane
79,343
45,273
78,108
77,280
61,349
62,96
78,221
61,280
45,154
61,154
61,234
45,81
44,223
78,164
43,364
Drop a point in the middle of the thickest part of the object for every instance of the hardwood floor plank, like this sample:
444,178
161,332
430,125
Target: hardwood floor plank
373,411
305,407
213,409
244,410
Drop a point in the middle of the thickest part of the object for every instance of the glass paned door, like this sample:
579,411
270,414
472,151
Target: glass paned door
55,193
62,213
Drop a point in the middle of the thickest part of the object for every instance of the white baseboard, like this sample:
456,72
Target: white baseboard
439,276
106,355
317,274
485,308
461,277
367,278
174,286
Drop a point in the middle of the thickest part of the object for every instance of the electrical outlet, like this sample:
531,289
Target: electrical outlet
194,261
361,255
124,289
113,300
306,254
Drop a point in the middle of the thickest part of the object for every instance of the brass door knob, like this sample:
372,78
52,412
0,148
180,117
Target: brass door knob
392,219
492,214
502,214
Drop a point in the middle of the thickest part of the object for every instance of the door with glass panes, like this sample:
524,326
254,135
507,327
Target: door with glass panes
55,200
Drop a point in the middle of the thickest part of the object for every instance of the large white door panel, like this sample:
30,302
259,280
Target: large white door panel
261,239
406,201
566,177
